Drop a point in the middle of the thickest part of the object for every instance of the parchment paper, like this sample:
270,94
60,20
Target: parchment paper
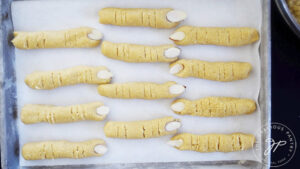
56,15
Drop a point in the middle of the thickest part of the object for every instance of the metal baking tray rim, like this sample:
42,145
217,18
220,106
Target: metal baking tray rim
9,133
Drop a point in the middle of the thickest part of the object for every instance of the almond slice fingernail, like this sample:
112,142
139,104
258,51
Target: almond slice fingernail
103,110
175,143
176,69
171,126
179,106
172,52
176,16
100,149
176,89
104,74
95,35
177,36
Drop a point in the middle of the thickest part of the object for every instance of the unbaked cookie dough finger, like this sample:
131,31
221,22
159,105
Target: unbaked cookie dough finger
214,106
222,36
218,71
140,53
84,37
63,149
141,90
69,76
213,142
142,129
155,18
37,113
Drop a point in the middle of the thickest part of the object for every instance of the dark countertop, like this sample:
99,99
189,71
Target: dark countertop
285,78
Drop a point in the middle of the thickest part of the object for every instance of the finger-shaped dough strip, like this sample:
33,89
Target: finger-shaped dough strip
37,113
142,129
189,35
84,37
140,53
63,149
155,18
141,90
214,106
213,142
69,76
218,71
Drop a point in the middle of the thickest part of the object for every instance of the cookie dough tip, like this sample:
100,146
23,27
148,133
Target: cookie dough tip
173,125
175,143
103,110
177,89
179,106
95,35
176,69
177,36
176,16
172,52
100,149
104,74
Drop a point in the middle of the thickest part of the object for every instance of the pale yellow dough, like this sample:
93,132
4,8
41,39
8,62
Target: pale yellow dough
218,71
155,18
216,106
70,38
136,53
37,113
60,149
137,90
64,77
222,36
215,142
138,129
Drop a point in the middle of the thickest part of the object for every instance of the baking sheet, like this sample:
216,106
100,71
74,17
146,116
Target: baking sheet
55,15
